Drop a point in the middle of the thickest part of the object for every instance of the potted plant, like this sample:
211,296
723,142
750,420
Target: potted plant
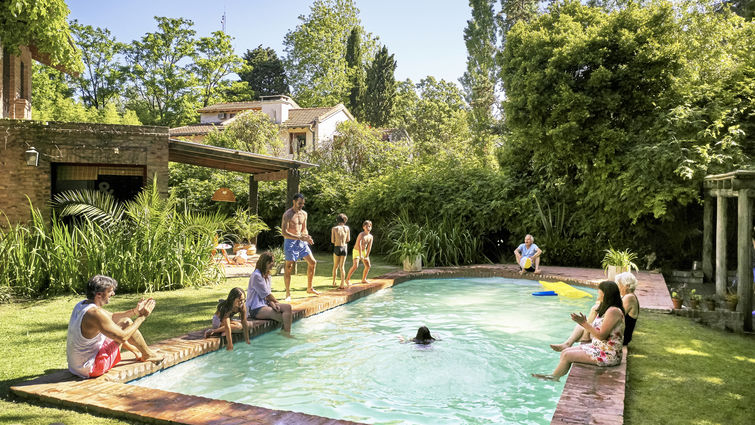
710,302
615,262
732,300
677,297
694,299
410,254
279,260
246,227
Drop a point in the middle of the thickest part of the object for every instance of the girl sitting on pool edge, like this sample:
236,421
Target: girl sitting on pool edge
222,322
423,337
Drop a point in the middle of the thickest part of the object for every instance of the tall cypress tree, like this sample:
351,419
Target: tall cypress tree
479,79
381,89
356,73
264,73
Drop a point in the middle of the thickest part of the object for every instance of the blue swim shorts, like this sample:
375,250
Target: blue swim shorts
295,249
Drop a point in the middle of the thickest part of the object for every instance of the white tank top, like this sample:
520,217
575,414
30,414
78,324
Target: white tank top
81,351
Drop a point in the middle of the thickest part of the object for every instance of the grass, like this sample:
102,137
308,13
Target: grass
33,334
679,371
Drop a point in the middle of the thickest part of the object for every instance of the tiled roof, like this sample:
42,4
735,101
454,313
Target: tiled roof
231,106
303,117
194,129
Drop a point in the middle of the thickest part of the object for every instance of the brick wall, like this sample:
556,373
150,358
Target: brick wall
73,143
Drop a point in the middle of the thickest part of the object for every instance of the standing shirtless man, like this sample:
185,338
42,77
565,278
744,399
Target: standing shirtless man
296,244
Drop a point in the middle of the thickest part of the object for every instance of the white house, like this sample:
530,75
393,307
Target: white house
302,129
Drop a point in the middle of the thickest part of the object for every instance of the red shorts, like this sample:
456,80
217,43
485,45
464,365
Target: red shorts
108,356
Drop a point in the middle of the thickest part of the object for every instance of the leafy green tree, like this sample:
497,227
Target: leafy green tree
103,79
618,116
251,131
53,101
513,11
161,81
41,23
381,89
315,59
264,72
435,116
213,62
357,77
480,78
743,8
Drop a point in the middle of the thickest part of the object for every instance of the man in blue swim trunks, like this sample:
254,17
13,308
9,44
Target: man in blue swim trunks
296,243
528,256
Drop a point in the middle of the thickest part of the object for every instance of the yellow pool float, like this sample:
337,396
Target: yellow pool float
565,290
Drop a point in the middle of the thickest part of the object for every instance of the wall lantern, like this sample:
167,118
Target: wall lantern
32,157
223,195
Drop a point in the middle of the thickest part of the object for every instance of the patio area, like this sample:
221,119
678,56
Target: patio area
111,395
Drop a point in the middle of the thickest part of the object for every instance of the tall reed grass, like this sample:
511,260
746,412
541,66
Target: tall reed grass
447,242
146,244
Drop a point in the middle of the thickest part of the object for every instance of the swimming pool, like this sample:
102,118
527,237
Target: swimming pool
347,363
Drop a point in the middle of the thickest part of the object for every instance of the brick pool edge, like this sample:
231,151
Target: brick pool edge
583,399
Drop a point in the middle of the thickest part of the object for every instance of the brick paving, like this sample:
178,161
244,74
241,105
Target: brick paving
591,395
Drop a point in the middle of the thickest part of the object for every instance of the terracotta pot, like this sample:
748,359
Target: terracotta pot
732,305
695,304
677,303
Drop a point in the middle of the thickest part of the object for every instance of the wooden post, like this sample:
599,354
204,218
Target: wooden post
721,245
292,182
254,187
744,245
708,238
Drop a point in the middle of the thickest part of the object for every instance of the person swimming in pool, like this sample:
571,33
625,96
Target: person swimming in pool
423,337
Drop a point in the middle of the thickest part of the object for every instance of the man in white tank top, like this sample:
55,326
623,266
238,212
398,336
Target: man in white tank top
95,335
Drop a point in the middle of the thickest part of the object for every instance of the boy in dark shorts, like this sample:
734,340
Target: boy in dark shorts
340,235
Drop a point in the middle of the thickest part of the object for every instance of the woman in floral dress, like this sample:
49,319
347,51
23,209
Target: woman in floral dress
606,331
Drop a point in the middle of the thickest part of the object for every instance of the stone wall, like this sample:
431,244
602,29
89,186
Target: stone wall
71,143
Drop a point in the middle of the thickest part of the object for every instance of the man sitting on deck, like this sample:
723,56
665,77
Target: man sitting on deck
95,335
528,256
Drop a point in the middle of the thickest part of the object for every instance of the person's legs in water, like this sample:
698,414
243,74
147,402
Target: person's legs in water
578,334
283,317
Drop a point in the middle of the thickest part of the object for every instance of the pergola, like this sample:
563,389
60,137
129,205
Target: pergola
260,167
739,184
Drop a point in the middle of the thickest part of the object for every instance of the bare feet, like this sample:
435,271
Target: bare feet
288,298
155,357
312,291
341,287
544,377
334,282
521,271
538,271
208,333
559,347
366,281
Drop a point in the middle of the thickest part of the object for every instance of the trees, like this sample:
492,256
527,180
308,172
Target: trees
251,131
479,80
355,64
381,89
41,23
264,72
103,78
315,53
160,82
435,115
214,60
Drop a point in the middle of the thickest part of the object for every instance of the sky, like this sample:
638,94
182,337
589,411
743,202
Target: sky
426,36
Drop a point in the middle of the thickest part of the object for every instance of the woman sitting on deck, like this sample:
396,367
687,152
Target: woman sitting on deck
222,322
627,284
607,332
262,303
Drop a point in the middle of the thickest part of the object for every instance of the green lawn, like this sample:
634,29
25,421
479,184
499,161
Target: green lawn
679,372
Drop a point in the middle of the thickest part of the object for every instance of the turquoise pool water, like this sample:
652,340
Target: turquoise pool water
348,363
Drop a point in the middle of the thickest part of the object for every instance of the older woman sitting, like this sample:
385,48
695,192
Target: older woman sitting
627,284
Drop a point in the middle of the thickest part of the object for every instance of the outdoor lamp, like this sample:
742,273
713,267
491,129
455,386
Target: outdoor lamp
224,195
32,157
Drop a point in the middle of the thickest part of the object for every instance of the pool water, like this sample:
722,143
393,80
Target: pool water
348,363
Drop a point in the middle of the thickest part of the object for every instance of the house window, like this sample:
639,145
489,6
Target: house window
297,141
221,115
